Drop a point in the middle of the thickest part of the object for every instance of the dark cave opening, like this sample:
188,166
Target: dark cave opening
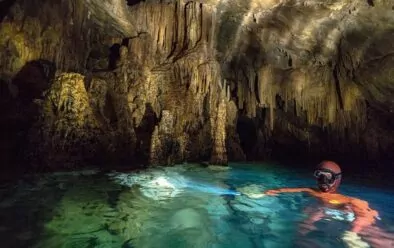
247,131
144,134
19,110
113,56
4,7
134,2
33,79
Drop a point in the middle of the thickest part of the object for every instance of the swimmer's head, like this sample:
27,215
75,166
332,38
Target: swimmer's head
328,176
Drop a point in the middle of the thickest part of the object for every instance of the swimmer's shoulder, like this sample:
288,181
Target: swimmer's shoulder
314,191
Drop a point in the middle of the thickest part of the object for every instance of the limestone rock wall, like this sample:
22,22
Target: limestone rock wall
159,99
38,38
67,128
162,82
63,33
177,103
302,73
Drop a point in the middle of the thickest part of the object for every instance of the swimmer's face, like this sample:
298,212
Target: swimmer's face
328,176
324,186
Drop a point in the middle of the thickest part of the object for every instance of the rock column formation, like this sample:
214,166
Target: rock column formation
163,82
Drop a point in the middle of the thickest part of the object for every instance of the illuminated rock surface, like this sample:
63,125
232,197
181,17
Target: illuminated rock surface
161,82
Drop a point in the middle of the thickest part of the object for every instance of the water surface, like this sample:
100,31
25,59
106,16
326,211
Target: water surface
180,206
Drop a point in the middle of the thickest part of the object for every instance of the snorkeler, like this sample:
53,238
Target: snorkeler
328,176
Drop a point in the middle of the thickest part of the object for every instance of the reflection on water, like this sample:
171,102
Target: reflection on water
181,206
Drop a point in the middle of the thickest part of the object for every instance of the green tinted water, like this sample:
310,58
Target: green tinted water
181,206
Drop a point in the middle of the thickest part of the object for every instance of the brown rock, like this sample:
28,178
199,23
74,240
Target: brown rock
161,82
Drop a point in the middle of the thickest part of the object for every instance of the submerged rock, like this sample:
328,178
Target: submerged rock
81,216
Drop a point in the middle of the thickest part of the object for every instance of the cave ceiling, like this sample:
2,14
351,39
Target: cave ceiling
289,34
176,80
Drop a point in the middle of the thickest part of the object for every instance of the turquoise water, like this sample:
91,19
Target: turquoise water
180,206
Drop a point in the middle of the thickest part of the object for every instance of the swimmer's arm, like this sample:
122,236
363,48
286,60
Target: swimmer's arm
365,216
282,190
289,190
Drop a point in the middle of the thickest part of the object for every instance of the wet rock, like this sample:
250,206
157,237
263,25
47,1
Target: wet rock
219,155
81,216
308,80
67,131
172,81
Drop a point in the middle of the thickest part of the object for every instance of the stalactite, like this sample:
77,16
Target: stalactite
272,114
240,94
173,66
266,86
212,36
251,78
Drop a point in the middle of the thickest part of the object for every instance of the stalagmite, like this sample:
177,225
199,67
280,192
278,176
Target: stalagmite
162,81
219,153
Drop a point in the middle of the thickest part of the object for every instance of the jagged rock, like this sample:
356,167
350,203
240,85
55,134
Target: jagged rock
67,131
307,65
171,81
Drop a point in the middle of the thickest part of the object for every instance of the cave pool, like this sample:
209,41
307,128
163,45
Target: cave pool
180,206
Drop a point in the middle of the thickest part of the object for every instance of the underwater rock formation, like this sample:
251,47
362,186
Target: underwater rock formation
80,216
162,82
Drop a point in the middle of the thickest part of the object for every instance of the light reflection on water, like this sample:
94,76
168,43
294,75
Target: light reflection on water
181,206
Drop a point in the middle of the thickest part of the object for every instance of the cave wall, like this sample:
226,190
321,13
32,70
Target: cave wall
152,95
162,82
309,72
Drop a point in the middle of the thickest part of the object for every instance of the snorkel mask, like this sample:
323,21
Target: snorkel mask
328,176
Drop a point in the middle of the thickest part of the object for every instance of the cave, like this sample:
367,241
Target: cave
312,95
134,86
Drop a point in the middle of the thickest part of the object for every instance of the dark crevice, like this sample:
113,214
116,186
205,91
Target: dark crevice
336,75
370,3
20,111
4,7
256,87
201,24
175,34
280,103
34,79
144,134
185,15
134,2
247,132
113,56
125,42
139,35
233,93
338,87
